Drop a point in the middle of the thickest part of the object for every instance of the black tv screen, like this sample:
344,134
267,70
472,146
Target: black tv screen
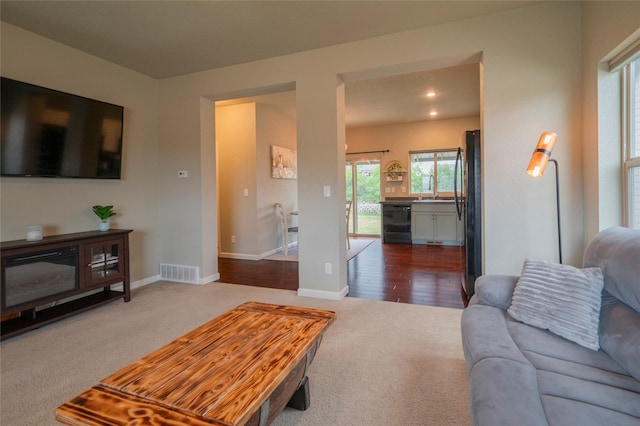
47,133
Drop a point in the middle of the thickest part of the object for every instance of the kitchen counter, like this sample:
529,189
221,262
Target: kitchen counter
408,201
433,202
428,221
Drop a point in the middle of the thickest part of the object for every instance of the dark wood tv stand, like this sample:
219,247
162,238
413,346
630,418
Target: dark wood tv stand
101,260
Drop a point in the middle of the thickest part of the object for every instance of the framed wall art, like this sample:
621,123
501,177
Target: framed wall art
284,163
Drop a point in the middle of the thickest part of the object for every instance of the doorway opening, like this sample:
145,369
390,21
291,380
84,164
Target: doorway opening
363,189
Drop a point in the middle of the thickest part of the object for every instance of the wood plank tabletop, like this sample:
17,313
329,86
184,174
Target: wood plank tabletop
220,373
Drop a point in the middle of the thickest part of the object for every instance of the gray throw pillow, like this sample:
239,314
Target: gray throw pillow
560,298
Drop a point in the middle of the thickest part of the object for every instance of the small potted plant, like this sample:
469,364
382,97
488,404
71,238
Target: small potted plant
104,213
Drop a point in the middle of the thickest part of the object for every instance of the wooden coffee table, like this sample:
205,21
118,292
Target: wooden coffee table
241,368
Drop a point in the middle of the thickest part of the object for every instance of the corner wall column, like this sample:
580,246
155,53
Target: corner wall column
321,163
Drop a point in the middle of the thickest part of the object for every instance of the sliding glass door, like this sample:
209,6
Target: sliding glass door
363,180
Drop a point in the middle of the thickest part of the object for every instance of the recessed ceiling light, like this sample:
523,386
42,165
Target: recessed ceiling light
433,113
431,94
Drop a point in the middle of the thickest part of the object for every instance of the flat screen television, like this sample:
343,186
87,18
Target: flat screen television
47,133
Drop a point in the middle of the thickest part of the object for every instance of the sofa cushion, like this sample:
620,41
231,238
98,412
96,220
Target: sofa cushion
485,335
569,401
543,349
620,334
504,392
523,375
616,251
560,298
494,290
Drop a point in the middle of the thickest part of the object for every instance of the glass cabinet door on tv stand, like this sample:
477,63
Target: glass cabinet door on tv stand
105,265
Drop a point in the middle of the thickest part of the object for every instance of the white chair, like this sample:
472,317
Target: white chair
286,229
348,215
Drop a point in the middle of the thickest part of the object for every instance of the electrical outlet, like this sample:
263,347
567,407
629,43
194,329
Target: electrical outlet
233,239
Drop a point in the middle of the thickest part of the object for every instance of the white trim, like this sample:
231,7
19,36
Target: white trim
201,281
240,256
138,284
626,55
155,278
209,279
145,281
323,294
629,113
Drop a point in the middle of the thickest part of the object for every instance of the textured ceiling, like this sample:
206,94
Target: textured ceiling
397,99
168,38
402,98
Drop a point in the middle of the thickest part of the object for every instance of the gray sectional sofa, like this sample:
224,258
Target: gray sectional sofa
521,373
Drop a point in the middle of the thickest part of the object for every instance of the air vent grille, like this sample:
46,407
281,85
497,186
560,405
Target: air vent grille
179,273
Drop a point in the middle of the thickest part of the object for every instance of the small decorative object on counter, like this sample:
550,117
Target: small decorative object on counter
104,213
34,233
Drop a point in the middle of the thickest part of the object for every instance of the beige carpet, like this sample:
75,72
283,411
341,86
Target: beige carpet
357,245
380,363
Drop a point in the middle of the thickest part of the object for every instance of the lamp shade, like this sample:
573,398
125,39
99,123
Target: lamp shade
541,155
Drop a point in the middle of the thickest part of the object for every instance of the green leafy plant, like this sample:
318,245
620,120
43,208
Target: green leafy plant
104,212
395,170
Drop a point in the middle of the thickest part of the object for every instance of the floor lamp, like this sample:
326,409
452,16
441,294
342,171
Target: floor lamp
541,156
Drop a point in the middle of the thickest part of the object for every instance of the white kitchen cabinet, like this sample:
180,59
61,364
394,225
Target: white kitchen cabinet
436,223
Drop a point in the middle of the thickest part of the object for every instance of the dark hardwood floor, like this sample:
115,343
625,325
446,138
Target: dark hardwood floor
404,273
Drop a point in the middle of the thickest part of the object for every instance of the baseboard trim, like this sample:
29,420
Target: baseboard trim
139,283
209,279
239,256
242,256
304,292
323,294
156,278
145,281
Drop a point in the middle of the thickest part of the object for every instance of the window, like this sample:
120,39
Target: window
431,172
631,140
363,180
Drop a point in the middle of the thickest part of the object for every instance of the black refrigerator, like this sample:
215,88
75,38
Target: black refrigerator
469,208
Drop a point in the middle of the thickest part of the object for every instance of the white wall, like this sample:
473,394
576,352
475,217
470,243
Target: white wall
244,136
606,28
274,128
64,205
236,154
531,65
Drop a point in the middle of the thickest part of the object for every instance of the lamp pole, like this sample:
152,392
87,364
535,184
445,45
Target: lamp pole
558,209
